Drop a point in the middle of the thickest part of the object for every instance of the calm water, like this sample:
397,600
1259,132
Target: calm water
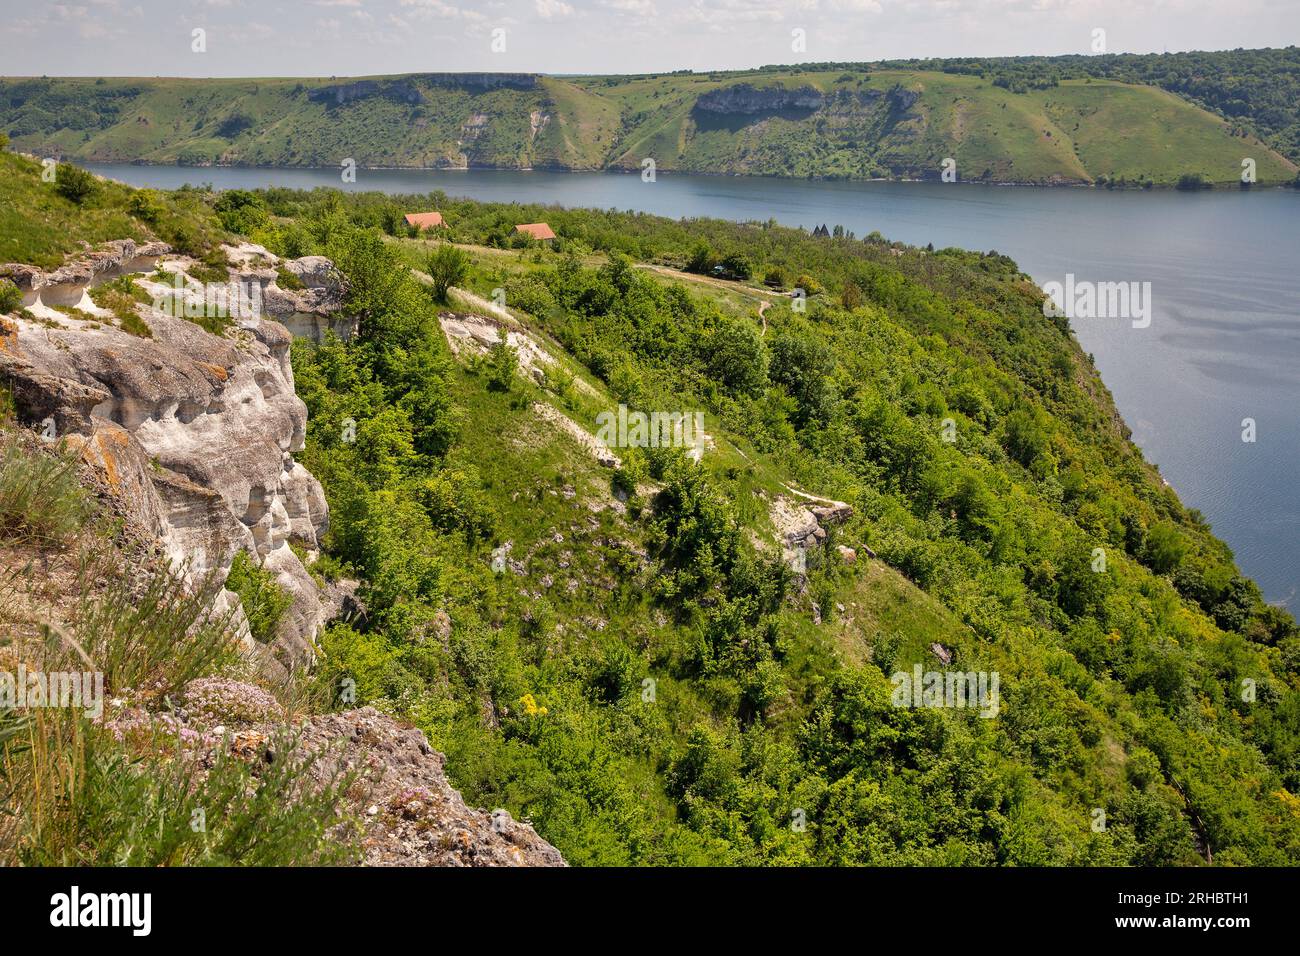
1224,268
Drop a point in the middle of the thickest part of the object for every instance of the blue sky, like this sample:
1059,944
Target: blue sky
355,37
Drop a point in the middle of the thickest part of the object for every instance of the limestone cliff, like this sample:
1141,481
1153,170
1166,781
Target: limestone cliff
746,98
194,430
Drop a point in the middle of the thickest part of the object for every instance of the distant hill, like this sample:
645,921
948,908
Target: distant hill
1001,121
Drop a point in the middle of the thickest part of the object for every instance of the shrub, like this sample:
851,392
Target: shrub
264,600
1165,547
11,297
736,357
447,266
144,204
503,360
809,285
74,183
738,266
701,260
287,279
122,297
40,496
241,211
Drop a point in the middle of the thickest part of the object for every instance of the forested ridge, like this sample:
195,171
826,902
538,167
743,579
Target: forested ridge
1258,89
1113,120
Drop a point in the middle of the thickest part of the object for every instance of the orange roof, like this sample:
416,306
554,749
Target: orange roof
538,230
425,220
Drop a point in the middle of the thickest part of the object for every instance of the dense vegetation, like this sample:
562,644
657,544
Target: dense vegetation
625,658
1104,119
653,685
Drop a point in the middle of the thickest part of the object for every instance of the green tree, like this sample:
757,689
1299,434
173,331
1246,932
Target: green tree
736,357
447,266
738,265
503,361
74,183
701,259
263,599
1165,547
241,211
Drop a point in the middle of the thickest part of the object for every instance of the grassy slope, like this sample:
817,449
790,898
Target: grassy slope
1076,132
41,227
1121,131
577,588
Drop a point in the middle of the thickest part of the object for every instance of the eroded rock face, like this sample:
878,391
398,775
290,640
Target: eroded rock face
195,431
745,98
801,521
399,91
413,816
67,285
307,312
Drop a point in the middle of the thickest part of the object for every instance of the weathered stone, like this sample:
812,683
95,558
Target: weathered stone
196,430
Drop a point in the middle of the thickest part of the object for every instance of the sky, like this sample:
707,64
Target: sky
361,37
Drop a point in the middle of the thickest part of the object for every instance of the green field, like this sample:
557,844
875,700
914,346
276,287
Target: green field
870,123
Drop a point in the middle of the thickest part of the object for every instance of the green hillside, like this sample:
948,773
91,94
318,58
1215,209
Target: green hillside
425,121
625,657
859,121
41,225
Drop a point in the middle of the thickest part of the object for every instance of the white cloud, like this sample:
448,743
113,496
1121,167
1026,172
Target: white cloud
432,8
553,9
642,8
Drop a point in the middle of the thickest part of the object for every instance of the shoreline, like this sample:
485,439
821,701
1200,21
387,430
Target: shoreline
1229,186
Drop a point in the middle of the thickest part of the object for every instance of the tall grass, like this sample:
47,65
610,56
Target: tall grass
40,497
81,792
99,804
150,637
77,790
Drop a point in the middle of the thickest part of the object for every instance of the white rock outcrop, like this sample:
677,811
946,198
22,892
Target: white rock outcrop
307,312
195,431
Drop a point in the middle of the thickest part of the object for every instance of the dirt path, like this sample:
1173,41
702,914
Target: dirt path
747,290
807,497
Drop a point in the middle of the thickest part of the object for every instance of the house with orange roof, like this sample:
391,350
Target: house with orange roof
536,230
424,220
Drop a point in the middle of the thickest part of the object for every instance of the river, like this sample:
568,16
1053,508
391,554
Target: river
1223,344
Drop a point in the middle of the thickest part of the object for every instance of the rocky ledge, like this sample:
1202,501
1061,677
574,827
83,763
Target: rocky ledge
195,431
746,98
398,795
